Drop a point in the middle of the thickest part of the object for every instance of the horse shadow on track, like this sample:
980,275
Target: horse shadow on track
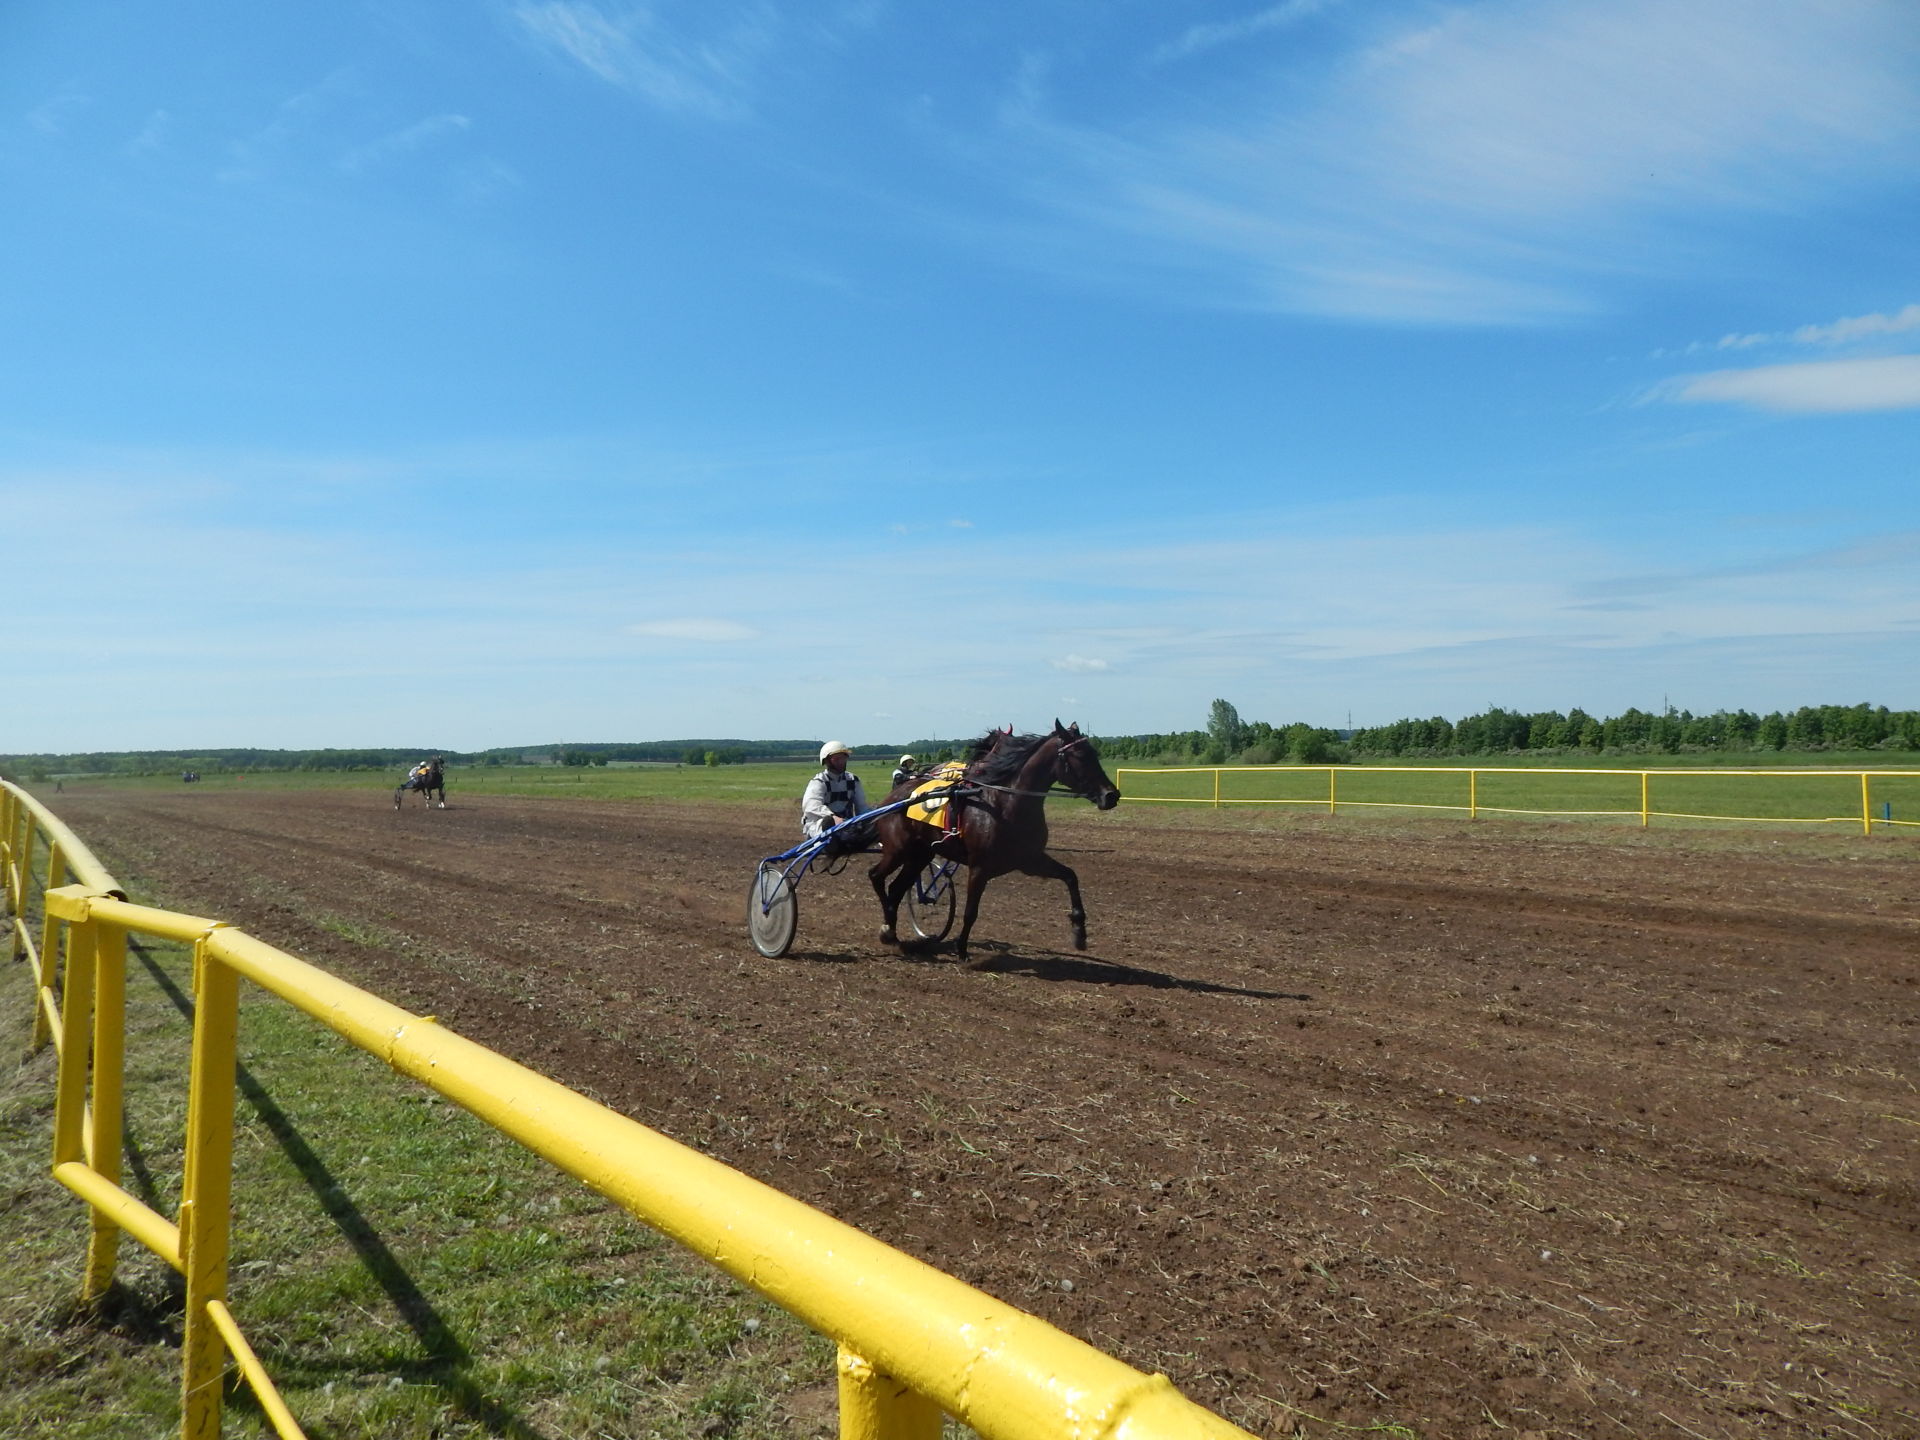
828,957
1059,968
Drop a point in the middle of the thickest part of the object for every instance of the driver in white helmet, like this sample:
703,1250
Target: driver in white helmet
832,797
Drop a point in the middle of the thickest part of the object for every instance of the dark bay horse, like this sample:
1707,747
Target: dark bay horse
1000,814
427,779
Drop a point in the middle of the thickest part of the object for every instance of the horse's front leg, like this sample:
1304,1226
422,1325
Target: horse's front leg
1048,868
889,894
976,886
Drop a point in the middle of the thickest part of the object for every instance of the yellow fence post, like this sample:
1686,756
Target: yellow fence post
207,1190
1333,799
47,968
22,859
878,1407
9,849
23,863
17,820
1473,794
1866,806
1216,788
1645,777
104,1135
76,1035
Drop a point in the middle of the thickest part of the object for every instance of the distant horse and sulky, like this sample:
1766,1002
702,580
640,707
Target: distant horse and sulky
427,780
992,820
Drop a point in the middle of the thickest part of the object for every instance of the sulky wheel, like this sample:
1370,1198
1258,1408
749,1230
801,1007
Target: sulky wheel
773,911
931,918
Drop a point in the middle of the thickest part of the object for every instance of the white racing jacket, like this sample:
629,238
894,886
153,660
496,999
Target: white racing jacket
830,798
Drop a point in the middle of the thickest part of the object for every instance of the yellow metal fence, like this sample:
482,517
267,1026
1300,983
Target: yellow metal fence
1866,798
913,1342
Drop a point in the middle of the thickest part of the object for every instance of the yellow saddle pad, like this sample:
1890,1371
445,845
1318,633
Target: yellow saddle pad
931,795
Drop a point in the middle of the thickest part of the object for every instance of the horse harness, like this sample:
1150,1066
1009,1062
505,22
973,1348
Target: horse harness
1054,789
962,789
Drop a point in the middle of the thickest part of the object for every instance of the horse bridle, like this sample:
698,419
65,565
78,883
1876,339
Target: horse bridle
1055,789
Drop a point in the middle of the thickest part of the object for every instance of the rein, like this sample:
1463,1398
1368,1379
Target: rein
1054,789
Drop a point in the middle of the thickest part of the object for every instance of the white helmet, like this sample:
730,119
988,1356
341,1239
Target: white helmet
834,747
906,759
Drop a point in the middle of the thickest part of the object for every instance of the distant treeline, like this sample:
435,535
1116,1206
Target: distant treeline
1250,743
1811,727
1227,739
242,761
213,762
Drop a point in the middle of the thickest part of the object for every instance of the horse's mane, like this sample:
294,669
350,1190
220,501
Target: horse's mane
998,757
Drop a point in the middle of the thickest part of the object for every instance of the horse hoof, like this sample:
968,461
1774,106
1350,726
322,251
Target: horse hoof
1080,942
887,937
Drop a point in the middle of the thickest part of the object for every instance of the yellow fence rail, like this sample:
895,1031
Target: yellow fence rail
914,1343
1798,797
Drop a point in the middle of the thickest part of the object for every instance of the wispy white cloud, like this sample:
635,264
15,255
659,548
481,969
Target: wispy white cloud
486,179
1850,330
1200,38
301,632
403,142
1495,164
704,67
153,134
295,120
699,631
51,117
582,33
1859,327
1832,387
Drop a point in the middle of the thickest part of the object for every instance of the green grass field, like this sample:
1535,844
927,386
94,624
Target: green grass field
1546,785
1830,797
610,782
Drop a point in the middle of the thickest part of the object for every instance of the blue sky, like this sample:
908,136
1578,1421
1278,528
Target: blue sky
464,375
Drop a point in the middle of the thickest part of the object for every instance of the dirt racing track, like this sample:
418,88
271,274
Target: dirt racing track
1475,1129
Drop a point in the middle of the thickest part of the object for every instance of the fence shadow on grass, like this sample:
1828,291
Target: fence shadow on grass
446,1357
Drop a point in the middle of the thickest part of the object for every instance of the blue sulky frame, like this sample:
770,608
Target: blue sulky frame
773,906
